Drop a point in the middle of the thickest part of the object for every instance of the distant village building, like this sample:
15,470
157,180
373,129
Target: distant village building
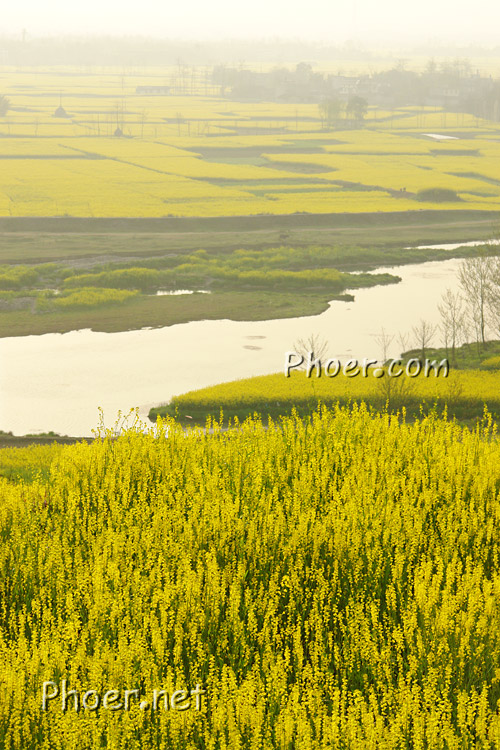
443,96
153,90
450,88
60,112
342,85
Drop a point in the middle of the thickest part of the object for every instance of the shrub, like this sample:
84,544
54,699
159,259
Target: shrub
492,363
16,277
84,298
437,195
4,105
121,278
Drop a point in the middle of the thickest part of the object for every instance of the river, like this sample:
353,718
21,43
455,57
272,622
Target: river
58,381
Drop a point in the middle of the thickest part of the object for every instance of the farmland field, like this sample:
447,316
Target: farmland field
329,584
198,154
317,557
94,173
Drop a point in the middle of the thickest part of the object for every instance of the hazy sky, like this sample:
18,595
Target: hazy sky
326,20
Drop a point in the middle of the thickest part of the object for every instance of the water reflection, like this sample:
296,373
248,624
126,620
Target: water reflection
177,292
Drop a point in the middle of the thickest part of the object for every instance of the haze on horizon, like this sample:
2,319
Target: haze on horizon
322,20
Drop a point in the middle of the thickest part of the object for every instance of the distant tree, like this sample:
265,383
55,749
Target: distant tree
304,70
431,67
329,110
4,105
356,108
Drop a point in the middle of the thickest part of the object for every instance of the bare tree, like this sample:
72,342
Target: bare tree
313,343
493,301
452,313
384,340
310,349
392,387
403,340
119,117
424,333
180,121
475,277
144,117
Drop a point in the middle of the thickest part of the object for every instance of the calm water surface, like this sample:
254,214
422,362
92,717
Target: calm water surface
58,381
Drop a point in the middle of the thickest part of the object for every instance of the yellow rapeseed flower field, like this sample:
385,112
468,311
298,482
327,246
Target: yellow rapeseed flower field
114,152
464,393
327,584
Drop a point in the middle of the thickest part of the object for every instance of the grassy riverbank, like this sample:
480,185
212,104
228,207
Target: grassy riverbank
145,311
108,291
475,356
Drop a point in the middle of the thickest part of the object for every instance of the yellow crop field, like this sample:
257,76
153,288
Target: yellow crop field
460,390
441,120
106,188
83,144
413,172
329,584
379,142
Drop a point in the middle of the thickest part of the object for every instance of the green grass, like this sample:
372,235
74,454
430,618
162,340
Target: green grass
145,311
31,240
102,292
465,357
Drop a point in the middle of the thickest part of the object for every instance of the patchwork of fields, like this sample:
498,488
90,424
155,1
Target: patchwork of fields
200,154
